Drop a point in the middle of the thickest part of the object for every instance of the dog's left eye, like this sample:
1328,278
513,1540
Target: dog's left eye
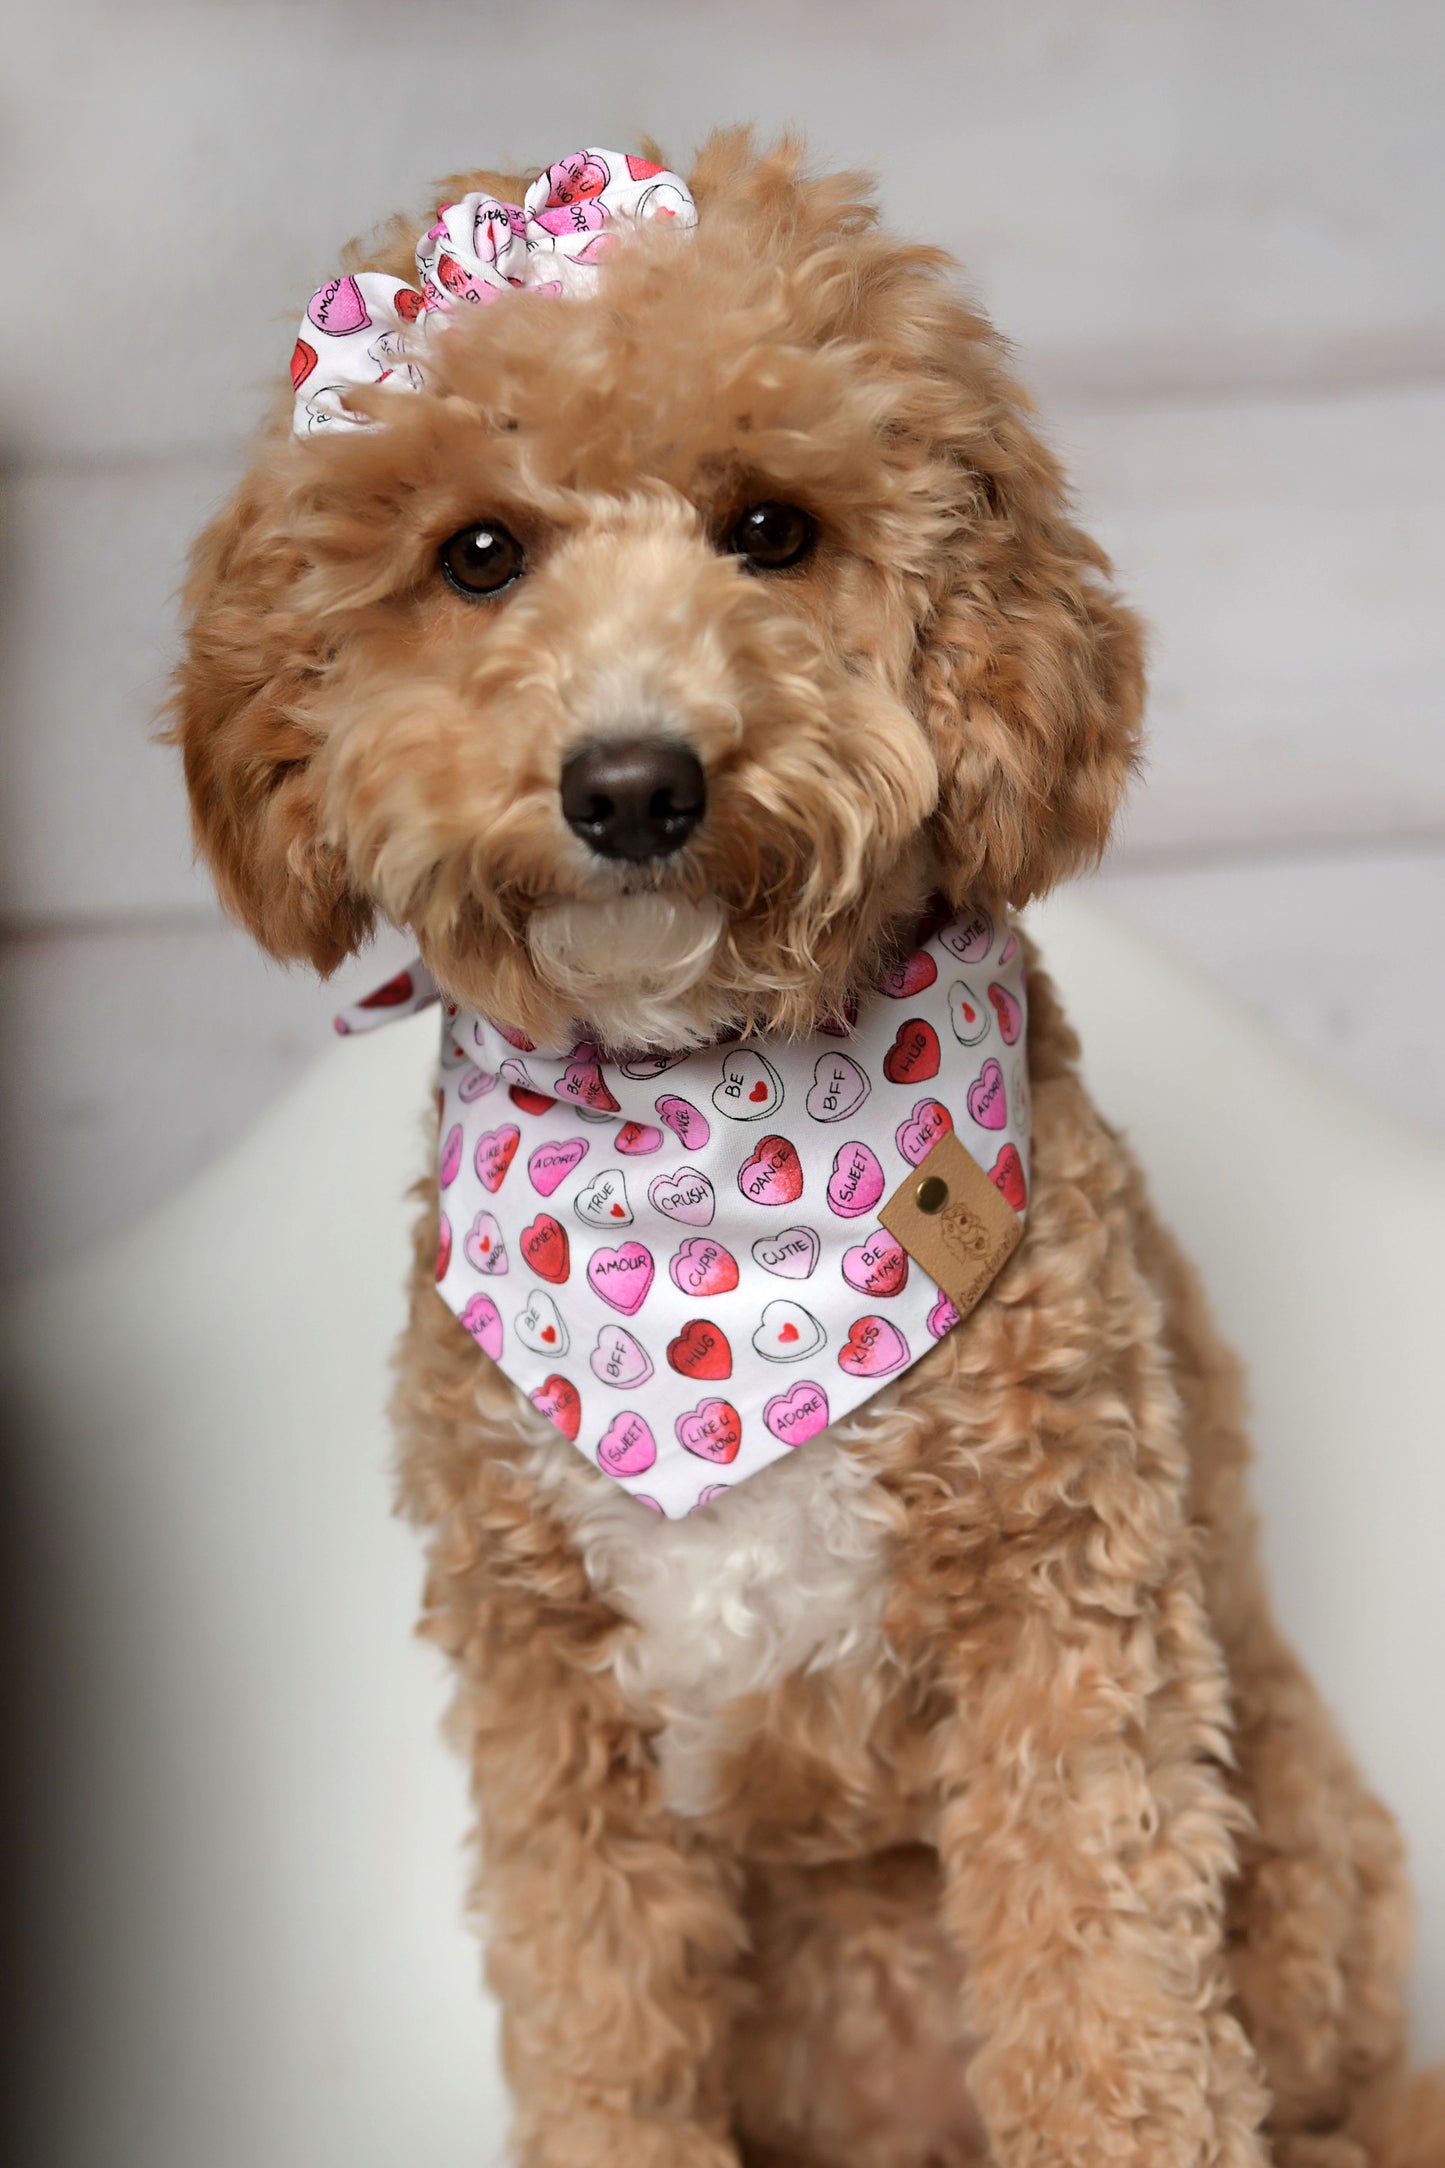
482,560
773,536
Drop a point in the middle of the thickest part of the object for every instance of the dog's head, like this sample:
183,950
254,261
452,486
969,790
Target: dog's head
657,660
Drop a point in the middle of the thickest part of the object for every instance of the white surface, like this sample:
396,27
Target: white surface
244,1881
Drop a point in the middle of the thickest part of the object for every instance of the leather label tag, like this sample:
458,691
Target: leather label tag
954,1223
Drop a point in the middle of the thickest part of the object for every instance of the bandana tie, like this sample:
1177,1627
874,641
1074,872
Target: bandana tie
368,328
678,1258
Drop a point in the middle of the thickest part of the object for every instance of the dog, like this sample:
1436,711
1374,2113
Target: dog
944,1792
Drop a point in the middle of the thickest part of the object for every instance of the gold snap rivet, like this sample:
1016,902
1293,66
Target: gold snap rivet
931,1194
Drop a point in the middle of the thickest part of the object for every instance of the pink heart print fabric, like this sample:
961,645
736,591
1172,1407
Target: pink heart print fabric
366,328
677,1258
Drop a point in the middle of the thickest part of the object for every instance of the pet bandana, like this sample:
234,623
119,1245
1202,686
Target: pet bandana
682,1259
367,328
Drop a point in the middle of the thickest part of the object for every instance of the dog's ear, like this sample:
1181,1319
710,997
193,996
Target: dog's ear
1030,673
237,711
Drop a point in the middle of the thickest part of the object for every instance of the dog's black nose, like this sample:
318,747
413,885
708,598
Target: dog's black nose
634,798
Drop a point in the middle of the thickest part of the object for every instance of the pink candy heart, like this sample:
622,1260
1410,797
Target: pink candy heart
627,1446
916,1137
986,1099
799,1415
942,1317
682,1118
878,1266
856,1183
550,1164
483,1321
338,308
621,1276
449,1160
1010,1014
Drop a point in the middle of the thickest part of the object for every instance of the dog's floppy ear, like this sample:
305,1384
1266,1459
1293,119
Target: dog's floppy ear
1030,673
237,712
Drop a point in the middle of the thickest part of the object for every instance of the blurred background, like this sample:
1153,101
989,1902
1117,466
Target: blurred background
1212,227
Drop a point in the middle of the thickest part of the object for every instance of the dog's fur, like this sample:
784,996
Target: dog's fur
944,1793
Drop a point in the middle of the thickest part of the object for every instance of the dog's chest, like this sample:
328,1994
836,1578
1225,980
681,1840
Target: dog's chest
784,1573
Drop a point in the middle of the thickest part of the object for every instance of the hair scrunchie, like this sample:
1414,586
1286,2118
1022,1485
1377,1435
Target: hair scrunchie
367,328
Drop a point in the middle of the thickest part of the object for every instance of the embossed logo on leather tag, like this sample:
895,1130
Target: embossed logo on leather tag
954,1223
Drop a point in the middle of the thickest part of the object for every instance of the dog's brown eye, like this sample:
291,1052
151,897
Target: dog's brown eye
773,536
482,560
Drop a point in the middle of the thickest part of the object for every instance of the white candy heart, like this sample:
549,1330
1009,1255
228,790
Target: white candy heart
787,1333
540,1326
750,1089
791,1254
969,1016
484,1248
838,1089
619,1359
603,1203
684,1195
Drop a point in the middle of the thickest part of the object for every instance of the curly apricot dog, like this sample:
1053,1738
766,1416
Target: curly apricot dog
944,1792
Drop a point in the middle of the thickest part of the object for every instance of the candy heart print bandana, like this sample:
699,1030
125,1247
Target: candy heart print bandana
679,1258
368,328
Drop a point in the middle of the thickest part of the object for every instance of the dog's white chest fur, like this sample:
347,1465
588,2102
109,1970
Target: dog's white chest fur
782,1573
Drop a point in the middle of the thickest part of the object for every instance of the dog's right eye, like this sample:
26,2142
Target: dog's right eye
482,560
772,537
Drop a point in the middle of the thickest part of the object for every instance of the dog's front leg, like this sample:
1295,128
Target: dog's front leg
1086,1842
613,1931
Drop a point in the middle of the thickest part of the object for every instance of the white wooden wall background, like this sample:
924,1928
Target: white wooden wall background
1212,226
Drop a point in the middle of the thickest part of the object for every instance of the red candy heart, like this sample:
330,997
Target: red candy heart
638,1137
529,1102
713,1430
1007,1175
408,303
495,1151
391,995
303,361
701,1350
544,1245
913,1056
444,1245
773,1174
559,1400
909,978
